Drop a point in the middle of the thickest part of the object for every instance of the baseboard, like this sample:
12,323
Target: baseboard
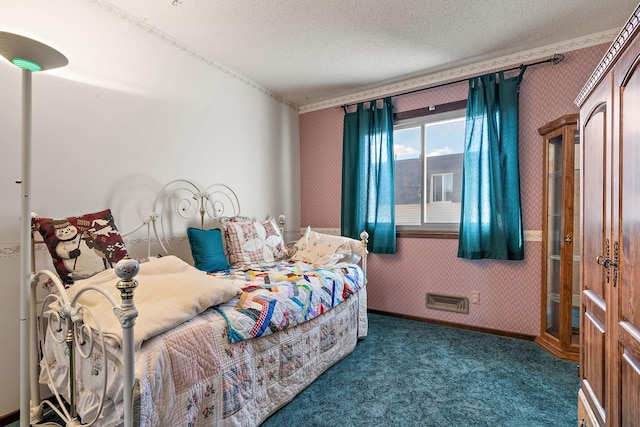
457,325
9,418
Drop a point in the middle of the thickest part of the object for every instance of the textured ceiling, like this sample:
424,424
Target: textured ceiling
309,51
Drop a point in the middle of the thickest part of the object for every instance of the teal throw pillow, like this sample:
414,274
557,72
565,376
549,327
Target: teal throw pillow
207,249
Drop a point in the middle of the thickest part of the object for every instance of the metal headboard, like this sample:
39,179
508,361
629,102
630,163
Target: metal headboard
185,202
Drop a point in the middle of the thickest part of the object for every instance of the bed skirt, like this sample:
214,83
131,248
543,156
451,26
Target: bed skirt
193,376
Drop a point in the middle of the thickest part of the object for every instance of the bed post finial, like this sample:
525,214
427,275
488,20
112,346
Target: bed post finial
281,222
364,241
126,269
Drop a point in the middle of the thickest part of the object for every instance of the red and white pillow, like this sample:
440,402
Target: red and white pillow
82,246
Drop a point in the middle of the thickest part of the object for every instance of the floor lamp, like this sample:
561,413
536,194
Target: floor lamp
31,56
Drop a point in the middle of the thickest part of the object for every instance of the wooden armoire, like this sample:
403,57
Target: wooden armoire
610,273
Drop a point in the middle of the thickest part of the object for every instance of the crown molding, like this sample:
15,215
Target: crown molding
457,73
422,82
610,57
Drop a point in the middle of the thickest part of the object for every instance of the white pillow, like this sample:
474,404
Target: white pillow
326,249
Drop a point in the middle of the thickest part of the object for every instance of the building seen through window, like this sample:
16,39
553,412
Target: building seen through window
428,155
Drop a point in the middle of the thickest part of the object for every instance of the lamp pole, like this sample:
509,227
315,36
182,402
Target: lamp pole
29,55
25,253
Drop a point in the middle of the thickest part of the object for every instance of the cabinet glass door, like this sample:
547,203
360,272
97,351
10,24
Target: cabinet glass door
554,233
575,286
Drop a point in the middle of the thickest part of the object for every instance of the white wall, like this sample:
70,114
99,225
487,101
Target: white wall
129,113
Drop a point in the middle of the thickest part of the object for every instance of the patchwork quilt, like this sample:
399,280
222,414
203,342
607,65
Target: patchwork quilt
281,295
213,369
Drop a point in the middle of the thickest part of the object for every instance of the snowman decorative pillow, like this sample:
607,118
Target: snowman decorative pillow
82,246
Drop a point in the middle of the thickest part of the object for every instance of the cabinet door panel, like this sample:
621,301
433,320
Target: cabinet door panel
629,379
628,290
594,145
596,208
630,197
593,352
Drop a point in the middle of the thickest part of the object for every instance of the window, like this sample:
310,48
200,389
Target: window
441,187
428,153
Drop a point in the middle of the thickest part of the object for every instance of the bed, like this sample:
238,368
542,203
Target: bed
225,338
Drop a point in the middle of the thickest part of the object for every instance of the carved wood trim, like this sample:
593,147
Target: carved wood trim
615,50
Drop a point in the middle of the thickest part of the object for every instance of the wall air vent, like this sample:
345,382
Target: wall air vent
453,303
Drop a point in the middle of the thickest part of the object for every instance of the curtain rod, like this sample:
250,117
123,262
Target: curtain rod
555,59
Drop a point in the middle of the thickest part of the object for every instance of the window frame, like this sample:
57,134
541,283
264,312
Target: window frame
413,117
443,187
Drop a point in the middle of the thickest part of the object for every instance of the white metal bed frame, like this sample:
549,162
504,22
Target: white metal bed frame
188,201
181,198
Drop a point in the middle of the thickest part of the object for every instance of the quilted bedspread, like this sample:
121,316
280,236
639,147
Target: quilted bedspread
281,295
209,371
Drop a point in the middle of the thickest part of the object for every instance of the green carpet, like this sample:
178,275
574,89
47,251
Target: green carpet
408,373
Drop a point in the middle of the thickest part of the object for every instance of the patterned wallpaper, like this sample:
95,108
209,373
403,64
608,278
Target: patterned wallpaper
509,290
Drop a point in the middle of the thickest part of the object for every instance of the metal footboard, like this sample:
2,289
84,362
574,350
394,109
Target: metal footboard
65,320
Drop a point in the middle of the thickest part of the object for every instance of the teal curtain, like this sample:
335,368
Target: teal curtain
491,218
368,201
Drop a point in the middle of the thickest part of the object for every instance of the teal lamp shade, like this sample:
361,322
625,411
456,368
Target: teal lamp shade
26,64
30,54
